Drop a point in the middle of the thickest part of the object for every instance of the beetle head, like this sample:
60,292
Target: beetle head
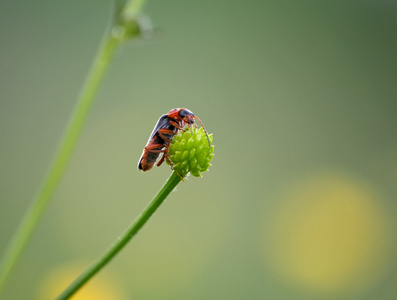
186,116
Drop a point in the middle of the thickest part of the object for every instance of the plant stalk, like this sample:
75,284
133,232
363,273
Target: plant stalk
69,140
66,147
123,239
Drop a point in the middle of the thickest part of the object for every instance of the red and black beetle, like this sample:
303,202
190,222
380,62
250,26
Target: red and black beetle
164,131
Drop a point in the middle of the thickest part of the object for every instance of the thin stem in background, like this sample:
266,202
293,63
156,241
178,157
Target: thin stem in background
123,239
67,145
61,160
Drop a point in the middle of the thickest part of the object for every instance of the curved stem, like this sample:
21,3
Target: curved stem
62,158
123,239
67,145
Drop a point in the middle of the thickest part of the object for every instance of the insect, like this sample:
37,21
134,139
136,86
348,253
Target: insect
164,131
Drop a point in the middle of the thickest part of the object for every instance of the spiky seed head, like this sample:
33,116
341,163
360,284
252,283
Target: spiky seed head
190,153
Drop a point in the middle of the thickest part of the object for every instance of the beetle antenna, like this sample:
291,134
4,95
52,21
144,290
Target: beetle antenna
206,133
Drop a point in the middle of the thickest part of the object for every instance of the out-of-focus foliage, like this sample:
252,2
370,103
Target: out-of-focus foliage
300,202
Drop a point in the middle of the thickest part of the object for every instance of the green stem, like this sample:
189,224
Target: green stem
123,239
68,142
62,158
132,8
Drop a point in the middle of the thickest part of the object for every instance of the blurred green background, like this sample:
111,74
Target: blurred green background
301,200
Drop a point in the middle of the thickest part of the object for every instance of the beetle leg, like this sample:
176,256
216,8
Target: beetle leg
165,131
161,160
175,124
178,125
155,148
165,156
152,148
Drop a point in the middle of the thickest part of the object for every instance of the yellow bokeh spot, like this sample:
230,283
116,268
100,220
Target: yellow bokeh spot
101,287
328,233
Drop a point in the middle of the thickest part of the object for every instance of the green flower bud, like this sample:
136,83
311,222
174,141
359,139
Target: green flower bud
189,152
130,26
